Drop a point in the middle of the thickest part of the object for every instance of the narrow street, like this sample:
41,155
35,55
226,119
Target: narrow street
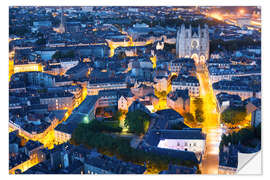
211,124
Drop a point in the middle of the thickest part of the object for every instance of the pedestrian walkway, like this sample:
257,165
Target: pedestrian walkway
211,124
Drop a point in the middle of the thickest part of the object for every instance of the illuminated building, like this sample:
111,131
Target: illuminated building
41,79
97,163
20,81
179,100
137,105
35,132
63,81
84,113
75,90
94,87
228,160
67,63
81,70
193,43
183,140
225,101
21,164
237,88
87,107
63,133
40,130
187,82
58,101
141,90
140,64
28,67
253,109
123,104
161,83
160,46
54,70
120,98
183,64
176,144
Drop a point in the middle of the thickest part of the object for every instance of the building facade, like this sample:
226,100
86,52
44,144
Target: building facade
60,101
94,88
179,101
193,43
28,67
187,82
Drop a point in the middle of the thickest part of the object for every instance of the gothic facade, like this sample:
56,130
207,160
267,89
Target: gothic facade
193,43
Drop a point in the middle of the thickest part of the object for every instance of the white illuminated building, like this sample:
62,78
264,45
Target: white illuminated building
192,140
193,44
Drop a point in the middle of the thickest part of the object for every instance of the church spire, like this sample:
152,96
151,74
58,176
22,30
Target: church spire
62,24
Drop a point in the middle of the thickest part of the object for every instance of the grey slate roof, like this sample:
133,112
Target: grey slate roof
86,105
170,114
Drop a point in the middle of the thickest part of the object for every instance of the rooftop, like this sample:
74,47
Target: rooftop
170,114
179,94
31,145
114,165
185,79
154,136
86,106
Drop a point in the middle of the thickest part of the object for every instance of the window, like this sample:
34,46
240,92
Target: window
194,144
186,144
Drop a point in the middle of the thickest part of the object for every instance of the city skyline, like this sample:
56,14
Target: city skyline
153,90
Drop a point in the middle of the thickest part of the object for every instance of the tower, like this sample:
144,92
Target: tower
62,24
193,42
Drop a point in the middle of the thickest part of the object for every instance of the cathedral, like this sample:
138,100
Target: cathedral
193,43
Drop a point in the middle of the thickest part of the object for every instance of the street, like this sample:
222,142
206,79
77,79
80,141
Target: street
211,126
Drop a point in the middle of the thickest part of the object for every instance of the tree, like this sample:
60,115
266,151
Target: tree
57,55
137,121
198,103
117,115
160,94
189,117
70,54
233,116
246,137
199,116
246,134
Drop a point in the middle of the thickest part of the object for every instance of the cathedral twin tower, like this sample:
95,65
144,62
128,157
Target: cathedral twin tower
193,43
